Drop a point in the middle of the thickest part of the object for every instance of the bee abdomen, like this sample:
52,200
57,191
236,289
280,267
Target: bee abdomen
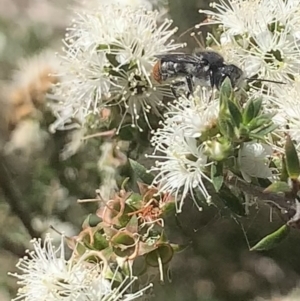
156,72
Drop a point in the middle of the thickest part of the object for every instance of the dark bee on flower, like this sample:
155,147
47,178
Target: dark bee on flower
204,68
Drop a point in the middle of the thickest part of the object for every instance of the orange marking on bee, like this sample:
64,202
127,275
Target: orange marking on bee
156,74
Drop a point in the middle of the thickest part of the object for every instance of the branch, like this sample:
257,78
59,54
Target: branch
15,199
284,203
12,246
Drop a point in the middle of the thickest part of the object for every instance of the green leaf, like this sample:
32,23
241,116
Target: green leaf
127,134
86,222
100,242
248,114
222,124
179,248
145,248
226,88
123,244
139,266
164,253
284,174
124,219
291,158
132,226
217,176
199,197
272,240
267,129
226,128
231,201
80,248
225,93
236,116
218,150
113,275
135,200
259,121
169,208
277,187
94,220
257,106
126,267
141,172
254,136
243,131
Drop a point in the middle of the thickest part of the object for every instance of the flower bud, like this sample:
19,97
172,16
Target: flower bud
218,150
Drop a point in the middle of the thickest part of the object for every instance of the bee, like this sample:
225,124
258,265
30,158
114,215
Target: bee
204,68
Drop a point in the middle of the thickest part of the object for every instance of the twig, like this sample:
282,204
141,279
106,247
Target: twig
110,133
11,246
15,199
286,204
87,200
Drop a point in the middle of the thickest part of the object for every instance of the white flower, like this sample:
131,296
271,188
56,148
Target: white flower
260,36
101,289
238,17
27,139
247,18
252,160
68,115
286,100
285,15
194,115
94,4
181,169
181,162
47,275
35,72
138,97
90,5
271,56
108,58
87,77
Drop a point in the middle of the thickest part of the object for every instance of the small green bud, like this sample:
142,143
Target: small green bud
218,150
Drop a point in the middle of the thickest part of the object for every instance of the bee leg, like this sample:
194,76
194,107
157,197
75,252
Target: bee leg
189,82
212,95
212,84
212,79
174,91
177,87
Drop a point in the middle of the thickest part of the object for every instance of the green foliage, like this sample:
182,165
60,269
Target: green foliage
240,124
272,240
278,187
130,227
217,176
141,172
231,201
292,160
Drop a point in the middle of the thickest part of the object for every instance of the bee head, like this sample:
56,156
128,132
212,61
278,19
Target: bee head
234,73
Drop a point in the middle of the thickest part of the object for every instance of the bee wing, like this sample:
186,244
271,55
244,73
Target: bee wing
179,58
211,57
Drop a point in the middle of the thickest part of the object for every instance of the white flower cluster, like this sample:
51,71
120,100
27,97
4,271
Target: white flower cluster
183,164
261,36
181,160
48,276
288,111
148,4
252,160
108,56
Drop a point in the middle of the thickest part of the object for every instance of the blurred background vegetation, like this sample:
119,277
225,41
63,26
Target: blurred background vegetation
39,189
